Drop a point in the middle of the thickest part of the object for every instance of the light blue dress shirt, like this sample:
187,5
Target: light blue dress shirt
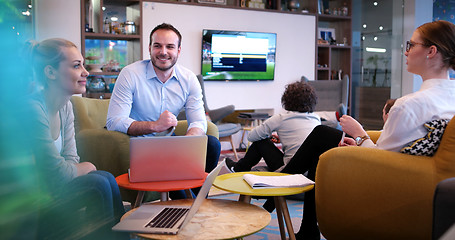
140,96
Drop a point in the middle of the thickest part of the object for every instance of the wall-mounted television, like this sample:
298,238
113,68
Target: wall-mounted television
238,55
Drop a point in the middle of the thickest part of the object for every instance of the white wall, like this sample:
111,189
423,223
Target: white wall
57,18
295,54
416,13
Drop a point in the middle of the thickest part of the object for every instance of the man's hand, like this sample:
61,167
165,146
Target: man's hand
195,131
166,121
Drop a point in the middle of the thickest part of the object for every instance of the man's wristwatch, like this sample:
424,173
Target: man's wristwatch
360,139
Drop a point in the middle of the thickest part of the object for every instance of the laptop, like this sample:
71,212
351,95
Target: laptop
167,158
162,219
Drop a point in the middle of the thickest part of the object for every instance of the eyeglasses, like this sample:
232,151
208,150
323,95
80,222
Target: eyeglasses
410,45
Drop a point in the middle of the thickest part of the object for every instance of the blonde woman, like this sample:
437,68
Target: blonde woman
58,73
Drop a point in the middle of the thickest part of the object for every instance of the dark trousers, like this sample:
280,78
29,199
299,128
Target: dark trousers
264,148
321,139
87,208
213,155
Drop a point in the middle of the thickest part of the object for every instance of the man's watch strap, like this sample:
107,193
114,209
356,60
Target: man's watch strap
360,139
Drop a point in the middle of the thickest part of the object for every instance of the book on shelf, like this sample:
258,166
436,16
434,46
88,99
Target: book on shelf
287,181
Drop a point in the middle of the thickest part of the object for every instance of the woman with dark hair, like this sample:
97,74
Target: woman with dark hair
292,127
82,202
431,54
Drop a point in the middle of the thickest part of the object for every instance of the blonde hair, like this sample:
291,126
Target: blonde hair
44,53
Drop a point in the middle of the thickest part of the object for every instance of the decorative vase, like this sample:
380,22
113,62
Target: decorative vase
96,84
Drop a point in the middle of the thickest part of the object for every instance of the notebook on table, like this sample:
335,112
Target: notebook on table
165,219
167,158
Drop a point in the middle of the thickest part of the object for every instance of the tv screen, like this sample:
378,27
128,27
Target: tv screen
238,55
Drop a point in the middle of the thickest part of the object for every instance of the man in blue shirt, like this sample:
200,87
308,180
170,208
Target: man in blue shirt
149,94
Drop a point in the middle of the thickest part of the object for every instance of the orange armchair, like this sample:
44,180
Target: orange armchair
365,193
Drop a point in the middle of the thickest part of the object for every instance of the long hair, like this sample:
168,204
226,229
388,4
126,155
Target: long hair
442,35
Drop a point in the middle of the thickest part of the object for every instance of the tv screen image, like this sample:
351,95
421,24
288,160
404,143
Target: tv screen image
238,55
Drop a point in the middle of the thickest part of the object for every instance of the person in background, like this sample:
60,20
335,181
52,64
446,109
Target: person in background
292,127
86,203
149,94
385,111
430,54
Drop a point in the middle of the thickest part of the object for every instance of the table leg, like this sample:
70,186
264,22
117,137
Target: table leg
287,218
139,198
279,216
164,196
245,198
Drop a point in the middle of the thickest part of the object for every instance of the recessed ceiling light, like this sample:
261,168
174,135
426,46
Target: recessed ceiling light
375,3
104,8
375,38
377,50
381,28
114,19
364,25
363,38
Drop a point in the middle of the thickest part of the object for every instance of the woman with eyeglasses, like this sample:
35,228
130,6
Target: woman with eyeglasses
431,54
79,202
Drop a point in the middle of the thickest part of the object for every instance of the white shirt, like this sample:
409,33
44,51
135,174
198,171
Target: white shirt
292,129
140,96
434,100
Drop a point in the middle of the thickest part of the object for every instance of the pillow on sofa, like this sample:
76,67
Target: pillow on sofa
428,145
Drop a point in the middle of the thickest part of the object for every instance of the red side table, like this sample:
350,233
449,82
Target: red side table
164,187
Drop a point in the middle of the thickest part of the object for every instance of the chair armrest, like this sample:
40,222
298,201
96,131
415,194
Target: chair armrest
107,150
374,135
360,191
443,207
182,127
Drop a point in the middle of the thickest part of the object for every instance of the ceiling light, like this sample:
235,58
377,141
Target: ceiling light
375,38
26,13
104,8
114,19
377,50
375,3
363,38
381,28
364,25
30,6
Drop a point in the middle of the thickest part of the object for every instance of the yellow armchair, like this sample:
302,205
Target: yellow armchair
108,150
365,193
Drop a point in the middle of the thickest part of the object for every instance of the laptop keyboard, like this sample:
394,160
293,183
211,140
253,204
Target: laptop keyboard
167,218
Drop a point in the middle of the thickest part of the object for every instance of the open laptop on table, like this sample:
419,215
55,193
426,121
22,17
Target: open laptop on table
167,158
162,219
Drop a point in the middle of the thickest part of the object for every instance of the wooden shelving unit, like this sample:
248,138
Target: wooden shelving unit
93,14
328,58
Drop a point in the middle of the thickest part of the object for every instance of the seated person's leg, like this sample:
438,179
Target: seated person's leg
91,196
213,153
180,194
119,209
260,149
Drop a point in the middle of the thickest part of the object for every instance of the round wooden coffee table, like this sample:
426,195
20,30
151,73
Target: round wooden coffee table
217,219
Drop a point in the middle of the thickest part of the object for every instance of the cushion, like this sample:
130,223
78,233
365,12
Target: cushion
227,129
428,145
